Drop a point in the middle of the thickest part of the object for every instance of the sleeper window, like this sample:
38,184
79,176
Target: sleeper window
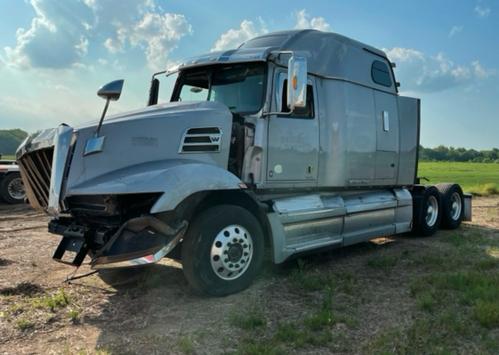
381,74
302,112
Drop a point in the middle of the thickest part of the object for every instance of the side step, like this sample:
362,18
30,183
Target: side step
314,221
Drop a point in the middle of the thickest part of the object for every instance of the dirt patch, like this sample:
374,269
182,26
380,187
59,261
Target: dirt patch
5,262
343,301
23,289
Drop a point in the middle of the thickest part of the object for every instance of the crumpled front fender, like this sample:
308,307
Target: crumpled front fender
176,179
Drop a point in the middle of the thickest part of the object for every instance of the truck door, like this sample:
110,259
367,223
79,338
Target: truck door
387,140
387,124
293,138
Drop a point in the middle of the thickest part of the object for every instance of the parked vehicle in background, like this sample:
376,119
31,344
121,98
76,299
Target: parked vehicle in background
296,140
11,185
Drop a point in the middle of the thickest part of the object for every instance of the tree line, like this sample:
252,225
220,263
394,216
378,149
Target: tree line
10,139
443,153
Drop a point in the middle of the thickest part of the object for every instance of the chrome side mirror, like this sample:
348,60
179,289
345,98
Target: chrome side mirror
111,91
297,82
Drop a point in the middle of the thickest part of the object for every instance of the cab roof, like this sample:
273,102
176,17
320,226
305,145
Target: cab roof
328,54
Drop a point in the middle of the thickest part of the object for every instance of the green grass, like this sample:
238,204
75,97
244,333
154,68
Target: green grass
249,319
455,291
23,324
74,315
477,178
186,345
383,262
57,300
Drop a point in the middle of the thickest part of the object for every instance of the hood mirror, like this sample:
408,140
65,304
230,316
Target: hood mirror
111,91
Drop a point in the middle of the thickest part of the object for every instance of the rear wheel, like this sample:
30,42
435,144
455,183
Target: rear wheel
452,205
427,212
12,188
222,251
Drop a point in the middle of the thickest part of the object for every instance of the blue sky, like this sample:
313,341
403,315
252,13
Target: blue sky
55,54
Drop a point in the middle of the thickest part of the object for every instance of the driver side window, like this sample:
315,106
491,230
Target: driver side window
299,112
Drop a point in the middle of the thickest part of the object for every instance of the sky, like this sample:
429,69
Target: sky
54,54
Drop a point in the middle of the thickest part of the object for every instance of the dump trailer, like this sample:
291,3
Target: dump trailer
295,141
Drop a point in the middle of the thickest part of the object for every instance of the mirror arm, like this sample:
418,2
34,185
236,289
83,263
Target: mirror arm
97,131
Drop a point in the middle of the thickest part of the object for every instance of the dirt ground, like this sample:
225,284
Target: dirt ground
154,311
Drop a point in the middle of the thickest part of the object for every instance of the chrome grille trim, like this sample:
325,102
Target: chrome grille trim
36,168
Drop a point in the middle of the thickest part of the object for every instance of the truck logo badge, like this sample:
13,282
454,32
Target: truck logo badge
214,139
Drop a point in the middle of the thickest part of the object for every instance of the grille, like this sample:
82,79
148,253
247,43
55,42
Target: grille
206,139
36,168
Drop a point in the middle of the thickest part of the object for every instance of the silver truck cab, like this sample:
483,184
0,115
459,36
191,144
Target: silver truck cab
296,141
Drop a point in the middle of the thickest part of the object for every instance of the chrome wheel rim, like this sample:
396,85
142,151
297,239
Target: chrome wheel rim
231,252
15,189
431,211
456,206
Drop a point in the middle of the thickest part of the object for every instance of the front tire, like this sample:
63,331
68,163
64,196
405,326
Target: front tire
12,189
222,250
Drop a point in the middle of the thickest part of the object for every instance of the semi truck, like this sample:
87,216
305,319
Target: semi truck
11,184
296,141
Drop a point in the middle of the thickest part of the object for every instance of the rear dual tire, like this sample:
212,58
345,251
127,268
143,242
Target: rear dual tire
426,213
452,201
437,206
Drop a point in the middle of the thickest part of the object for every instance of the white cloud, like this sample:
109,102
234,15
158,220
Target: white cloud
419,72
140,24
236,36
455,30
304,21
57,37
159,34
482,11
61,32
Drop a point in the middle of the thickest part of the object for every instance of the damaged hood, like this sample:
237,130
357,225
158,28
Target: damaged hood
169,132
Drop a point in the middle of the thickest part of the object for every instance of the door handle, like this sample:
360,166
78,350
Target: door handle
386,120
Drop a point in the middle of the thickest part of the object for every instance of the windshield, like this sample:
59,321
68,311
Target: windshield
240,87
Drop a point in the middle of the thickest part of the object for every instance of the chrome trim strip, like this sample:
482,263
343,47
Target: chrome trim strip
144,260
62,143
29,188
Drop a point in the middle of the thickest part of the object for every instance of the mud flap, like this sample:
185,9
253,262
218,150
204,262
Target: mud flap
467,216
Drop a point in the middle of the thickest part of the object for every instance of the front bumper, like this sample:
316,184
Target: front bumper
139,241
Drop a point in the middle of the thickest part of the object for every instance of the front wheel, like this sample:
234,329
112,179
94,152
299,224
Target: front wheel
222,251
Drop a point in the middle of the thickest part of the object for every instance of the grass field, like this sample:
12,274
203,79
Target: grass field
8,157
477,178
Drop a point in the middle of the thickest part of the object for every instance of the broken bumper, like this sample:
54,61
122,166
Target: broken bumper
139,241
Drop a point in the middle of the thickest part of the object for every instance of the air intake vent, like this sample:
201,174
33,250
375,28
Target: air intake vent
201,140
